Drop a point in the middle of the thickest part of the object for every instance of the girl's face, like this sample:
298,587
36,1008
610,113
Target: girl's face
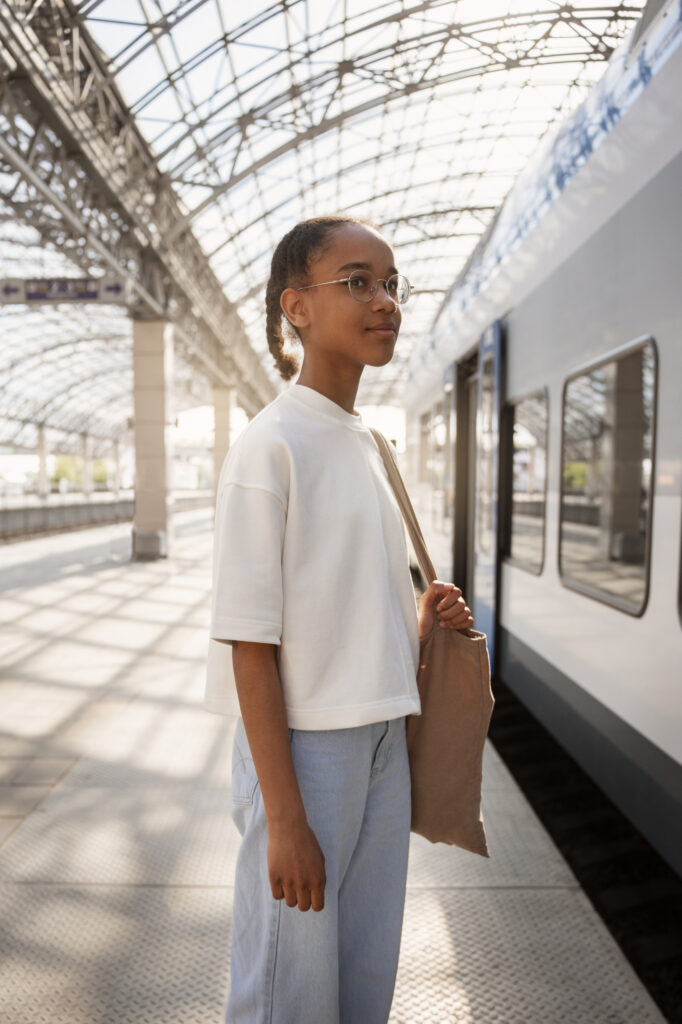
332,323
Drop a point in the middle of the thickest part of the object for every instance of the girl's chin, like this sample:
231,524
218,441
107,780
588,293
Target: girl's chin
379,358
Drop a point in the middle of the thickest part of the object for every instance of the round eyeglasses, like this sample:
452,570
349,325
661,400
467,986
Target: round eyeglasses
363,286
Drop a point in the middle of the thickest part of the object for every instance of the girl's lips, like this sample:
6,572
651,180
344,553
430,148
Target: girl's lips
383,330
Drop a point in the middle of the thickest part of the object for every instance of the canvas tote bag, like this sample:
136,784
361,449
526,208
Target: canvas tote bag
445,743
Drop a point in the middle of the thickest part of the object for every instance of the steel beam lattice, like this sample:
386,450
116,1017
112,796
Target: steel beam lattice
173,143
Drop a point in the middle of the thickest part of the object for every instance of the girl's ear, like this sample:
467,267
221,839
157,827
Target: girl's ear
294,307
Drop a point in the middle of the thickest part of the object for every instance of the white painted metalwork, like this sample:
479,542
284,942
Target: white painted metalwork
175,142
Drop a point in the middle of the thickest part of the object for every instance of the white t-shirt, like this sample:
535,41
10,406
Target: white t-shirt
310,554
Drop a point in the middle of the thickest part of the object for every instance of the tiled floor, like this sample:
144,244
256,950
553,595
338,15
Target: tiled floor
117,849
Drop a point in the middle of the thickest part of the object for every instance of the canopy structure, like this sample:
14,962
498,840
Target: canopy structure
415,116
68,368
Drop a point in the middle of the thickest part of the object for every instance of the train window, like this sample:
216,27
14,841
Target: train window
607,461
424,446
442,494
436,466
485,462
526,421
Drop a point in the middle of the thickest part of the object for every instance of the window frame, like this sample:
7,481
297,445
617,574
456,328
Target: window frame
611,600
507,460
679,581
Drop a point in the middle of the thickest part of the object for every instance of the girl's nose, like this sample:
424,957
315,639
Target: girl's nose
382,299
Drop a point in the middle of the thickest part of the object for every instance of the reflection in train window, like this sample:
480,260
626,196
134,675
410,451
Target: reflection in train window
607,456
436,501
528,424
486,443
441,469
424,444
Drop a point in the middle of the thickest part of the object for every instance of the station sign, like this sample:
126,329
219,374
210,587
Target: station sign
35,291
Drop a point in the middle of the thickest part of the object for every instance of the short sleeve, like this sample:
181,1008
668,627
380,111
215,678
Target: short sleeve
247,565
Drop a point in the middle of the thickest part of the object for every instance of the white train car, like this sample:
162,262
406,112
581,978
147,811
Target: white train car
545,434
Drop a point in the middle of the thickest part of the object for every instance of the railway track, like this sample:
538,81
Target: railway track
635,892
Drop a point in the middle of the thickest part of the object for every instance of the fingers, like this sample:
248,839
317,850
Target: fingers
452,610
317,897
302,895
290,895
447,598
456,617
465,620
296,867
303,900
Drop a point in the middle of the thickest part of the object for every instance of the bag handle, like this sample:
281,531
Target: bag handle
402,497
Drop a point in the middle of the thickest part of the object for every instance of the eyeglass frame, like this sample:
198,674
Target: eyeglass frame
377,280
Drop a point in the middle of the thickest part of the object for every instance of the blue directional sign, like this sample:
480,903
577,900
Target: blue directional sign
53,290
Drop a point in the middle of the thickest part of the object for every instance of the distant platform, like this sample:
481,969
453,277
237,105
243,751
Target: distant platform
29,515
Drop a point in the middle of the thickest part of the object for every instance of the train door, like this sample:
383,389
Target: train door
478,397
487,480
465,398
478,401
471,385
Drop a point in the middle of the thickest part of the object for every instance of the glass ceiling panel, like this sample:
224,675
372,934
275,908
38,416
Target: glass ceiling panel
416,117
69,368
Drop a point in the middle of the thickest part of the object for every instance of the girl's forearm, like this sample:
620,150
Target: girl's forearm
259,689
295,860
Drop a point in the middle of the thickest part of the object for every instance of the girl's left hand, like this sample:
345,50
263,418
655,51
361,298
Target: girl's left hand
443,602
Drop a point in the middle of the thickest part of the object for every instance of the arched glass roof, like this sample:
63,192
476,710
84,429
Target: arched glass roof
69,368
417,116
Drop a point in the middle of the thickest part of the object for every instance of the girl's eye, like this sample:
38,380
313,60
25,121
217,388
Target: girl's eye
359,282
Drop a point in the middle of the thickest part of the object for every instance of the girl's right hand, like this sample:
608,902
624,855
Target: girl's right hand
296,866
444,603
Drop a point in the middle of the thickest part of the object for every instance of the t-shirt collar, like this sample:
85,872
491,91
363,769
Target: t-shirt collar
320,403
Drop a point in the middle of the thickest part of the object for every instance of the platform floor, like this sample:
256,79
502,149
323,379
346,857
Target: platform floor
117,849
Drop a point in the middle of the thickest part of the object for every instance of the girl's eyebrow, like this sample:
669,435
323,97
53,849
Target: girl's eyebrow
362,266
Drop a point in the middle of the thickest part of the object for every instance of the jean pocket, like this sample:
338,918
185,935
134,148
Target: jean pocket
244,778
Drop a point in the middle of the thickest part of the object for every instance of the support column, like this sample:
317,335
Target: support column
152,411
86,475
43,482
592,484
117,467
224,400
622,535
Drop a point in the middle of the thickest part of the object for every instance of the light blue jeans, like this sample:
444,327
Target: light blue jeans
337,966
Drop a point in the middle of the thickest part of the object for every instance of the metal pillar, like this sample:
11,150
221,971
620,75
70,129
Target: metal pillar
224,400
152,402
43,482
117,467
86,476
622,536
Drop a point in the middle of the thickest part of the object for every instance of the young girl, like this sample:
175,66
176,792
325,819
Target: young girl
313,591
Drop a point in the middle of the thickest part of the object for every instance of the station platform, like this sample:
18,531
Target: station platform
117,849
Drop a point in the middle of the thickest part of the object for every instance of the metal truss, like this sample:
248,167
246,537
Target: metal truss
45,351
178,140
416,65
307,107
73,166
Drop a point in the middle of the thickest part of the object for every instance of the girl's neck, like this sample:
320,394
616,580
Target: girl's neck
339,385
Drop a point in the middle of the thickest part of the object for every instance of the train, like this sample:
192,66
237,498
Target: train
544,433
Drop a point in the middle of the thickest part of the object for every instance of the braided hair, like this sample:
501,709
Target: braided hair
290,266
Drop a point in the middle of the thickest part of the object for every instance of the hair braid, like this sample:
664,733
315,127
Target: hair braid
290,265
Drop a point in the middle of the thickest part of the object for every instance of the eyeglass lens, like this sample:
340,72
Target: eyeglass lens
363,286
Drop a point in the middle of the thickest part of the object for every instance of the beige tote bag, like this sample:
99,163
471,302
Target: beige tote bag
445,743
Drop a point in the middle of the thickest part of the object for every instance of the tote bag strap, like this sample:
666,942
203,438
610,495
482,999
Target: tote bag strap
402,497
